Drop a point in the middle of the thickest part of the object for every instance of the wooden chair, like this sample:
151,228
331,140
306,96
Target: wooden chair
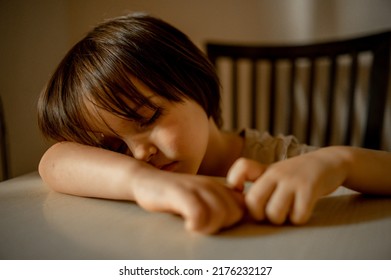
314,72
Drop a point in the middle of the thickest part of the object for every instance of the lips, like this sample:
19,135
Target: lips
169,166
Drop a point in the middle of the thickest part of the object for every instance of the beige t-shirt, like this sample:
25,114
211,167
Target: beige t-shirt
267,149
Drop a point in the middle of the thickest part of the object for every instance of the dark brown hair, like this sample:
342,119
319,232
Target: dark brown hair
97,69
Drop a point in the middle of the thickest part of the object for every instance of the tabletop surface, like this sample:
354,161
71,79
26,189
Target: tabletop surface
38,223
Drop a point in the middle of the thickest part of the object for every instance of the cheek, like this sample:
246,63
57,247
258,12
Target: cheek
181,142
194,133
185,138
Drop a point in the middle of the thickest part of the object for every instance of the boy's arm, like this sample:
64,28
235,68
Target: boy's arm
205,204
290,188
82,170
368,171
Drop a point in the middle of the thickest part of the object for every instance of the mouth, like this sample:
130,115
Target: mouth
169,166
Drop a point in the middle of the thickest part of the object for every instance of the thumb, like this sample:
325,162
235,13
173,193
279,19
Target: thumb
244,170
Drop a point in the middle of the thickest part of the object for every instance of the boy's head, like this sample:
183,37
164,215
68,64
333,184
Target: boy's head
97,71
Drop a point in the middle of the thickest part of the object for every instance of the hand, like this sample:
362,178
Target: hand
206,204
289,188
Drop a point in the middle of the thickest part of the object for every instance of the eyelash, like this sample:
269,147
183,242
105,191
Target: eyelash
122,149
153,119
119,147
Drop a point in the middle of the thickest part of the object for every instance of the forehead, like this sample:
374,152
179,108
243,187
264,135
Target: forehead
107,122
124,100
109,114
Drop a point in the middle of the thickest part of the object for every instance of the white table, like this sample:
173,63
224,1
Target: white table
37,223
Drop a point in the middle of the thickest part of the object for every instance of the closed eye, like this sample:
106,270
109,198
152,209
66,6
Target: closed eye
115,145
122,148
152,119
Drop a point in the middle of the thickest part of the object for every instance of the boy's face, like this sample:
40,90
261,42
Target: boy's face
173,139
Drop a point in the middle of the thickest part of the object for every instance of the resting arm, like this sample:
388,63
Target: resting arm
290,188
369,171
205,204
82,170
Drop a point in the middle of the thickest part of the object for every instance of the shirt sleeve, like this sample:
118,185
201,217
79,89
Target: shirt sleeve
268,149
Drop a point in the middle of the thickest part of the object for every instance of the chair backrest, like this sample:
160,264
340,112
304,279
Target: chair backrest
284,73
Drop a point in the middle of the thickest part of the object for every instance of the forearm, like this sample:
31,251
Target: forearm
205,203
368,171
88,171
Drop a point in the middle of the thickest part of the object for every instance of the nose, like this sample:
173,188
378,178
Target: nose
144,151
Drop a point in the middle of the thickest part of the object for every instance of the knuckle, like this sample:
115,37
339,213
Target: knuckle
196,212
242,163
252,200
274,216
235,217
256,211
298,218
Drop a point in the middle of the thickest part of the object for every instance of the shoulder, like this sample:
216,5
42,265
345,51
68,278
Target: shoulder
265,148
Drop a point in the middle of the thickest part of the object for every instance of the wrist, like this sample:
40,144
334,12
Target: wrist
140,177
128,176
343,157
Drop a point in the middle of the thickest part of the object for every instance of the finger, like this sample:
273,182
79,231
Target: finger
235,207
206,206
279,205
244,170
196,214
303,208
190,207
215,214
223,209
203,209
258,196
239,199
188,204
